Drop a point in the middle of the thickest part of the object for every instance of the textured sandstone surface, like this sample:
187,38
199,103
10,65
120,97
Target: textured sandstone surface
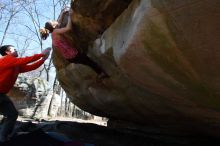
163,59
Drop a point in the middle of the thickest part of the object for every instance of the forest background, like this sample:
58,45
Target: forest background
20,23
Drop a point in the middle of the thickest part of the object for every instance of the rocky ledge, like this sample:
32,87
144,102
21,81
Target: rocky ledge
162,57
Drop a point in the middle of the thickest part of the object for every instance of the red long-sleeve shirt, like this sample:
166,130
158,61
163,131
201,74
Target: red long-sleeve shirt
11,66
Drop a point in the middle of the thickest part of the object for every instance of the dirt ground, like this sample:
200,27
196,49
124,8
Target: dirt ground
70,119
97,132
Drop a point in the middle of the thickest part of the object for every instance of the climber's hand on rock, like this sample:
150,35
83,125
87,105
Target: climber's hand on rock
65,9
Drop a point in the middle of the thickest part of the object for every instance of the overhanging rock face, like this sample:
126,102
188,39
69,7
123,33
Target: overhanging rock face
163,59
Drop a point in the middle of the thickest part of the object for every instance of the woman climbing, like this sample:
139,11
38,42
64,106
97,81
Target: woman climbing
59,42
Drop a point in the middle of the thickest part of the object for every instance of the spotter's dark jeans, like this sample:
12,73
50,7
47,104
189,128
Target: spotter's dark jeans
10,114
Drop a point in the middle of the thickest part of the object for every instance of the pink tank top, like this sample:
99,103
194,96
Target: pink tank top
64,47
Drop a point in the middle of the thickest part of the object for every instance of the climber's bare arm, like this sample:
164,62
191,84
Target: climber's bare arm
60,19
68,26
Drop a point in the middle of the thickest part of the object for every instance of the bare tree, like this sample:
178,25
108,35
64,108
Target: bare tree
64,3
24,46
9,9
56,86
34,14
35,17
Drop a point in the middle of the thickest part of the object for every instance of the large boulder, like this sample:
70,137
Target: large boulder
163,59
